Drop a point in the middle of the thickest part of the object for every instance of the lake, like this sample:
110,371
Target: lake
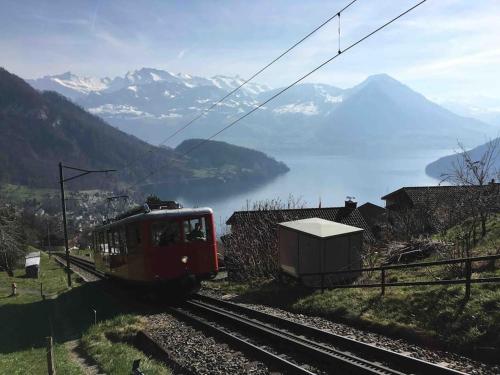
329,178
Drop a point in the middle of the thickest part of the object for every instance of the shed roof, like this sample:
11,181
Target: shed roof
320,227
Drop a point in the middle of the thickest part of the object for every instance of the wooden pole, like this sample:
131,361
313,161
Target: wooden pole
50,356
65,226
383,282
468,274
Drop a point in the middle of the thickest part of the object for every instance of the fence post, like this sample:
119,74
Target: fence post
50,356
322,283
468,274
383,281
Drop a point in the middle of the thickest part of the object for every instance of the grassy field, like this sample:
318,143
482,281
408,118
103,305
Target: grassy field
25,321
428,313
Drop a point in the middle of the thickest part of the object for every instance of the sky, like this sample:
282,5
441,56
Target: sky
448,50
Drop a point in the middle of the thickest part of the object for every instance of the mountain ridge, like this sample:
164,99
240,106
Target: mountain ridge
309,117
40,129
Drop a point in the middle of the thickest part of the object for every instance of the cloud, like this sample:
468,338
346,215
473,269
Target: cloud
181,54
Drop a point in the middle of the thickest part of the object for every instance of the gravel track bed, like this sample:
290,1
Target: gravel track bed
197,352
448,359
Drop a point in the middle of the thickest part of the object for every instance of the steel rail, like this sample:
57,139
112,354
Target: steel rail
275,361
399,361
84,264
333,359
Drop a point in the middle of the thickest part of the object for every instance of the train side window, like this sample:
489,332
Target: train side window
195,230
165,233
102,242
133,238
111,242
122,241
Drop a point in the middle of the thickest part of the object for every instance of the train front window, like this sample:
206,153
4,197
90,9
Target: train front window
165,233
195,230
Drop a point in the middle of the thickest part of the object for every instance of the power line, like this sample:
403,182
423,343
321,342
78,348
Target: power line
293,84
205,111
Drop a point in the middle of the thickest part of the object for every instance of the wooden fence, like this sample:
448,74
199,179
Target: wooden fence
468,280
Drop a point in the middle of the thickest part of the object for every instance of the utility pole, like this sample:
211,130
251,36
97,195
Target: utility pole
109,199
62,180
48,237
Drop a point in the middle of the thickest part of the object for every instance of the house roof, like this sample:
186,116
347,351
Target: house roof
342,215
320,227
371,212
429,194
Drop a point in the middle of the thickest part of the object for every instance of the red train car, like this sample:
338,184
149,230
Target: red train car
158,246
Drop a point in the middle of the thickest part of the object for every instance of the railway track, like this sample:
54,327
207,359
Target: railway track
327,351
84,264
287,346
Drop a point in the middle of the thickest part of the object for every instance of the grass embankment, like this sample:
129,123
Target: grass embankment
434,314
106,343
25,321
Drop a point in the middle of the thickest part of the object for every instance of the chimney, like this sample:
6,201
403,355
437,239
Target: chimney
351,203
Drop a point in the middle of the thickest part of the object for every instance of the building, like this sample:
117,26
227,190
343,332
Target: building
375,216
411,197
318,246
343,215
426,209
251,247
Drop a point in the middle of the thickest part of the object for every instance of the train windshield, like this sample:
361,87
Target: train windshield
165,233
195,230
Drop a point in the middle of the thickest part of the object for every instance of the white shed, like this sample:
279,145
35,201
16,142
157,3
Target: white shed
319,246
32,265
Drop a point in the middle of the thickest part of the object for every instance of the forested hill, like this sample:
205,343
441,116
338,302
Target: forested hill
39,129
220,155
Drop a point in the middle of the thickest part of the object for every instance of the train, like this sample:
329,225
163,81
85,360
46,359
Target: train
161,245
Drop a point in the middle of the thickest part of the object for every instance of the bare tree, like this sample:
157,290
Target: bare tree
12,244
251,249
471,172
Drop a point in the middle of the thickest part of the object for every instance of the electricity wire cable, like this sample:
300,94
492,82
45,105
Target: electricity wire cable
291,85
205,111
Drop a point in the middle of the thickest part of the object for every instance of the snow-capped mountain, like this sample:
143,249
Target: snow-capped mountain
380,114
77,87
70,85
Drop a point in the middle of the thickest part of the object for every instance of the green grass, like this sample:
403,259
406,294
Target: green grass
105,343
26,320
52,277
486,245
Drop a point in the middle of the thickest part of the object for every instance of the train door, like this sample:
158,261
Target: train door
135,253
165,239
197,240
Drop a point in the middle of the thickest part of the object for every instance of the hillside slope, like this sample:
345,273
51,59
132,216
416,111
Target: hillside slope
445,164
37,130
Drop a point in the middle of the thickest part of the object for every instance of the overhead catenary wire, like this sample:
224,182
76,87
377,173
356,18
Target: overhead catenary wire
291,85
206,110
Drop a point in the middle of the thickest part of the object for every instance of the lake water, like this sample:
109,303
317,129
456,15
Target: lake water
329,178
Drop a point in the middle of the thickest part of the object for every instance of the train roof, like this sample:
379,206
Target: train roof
159,214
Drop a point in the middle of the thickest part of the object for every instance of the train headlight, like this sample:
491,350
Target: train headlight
184,259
